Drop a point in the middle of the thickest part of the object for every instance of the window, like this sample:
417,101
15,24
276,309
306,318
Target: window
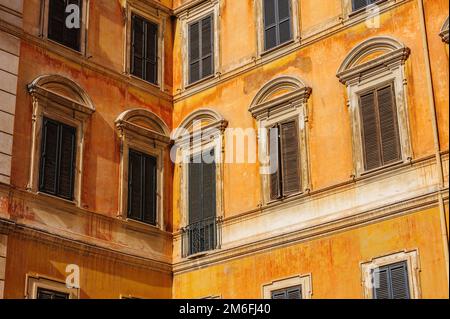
380,133
59,13
296,287
277,23
288,293
50,294
61,111
144,49
394,276
202,203
281,110
144,145
58,154
142,186
374,75
201,48
284,152
391,282
359,4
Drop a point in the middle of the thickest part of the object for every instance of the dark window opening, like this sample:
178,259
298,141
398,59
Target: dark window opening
391,282
59,30
51,294
277,23
360,4
201,49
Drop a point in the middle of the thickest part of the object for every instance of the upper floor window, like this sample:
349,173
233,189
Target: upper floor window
142,187
281,108
144,49
374,74
277,23
43,293
58,154
201,48
64,22
381,140
360,4
39,287
61,109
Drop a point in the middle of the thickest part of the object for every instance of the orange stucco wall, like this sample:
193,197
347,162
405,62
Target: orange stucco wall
333,262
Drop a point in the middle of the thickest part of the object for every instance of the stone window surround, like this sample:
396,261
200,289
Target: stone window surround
34,282
149,142
295,28
287,107
155,16
188,16
385,69
412,260
43,28
445,31
210,136
47,103
299,280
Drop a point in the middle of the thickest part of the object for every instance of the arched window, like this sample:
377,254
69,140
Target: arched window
60,111
376,85
281,110
199,153
144,150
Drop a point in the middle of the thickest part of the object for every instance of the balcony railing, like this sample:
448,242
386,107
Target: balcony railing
201,237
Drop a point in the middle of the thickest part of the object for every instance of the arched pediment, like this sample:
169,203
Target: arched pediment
371,54
277,93
145,119
205,117
63,91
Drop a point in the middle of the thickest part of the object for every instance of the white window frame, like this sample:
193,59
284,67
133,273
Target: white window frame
153,15
412,260
305,281
212,138
149,142
291,106
187,17
358,78
260,35
34,282
53,105
43,32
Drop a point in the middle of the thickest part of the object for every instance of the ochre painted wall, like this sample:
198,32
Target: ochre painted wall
333,262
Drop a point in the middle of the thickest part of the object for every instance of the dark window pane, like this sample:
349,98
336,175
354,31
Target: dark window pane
391,282
194,42
370,132
50,294
194,75
290,153
67,160
135,186
269,13
49,157
150,190
58,29
285,31
207,66
284,11
288,293
271,38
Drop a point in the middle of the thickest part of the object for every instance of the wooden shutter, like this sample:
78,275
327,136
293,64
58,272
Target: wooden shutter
391,282
151,55
49,157
66,161
50,294
57,29
150,188
201,48
359,4
390,137
277,22
137,46
209,188
371,139
275,163
288,293
134,186
290,158
58,153
195,190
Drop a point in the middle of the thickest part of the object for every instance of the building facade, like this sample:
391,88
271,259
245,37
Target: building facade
224,149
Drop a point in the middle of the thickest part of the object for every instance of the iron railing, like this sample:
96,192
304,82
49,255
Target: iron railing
200,237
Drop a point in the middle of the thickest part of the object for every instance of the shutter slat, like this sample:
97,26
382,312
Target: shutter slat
294,293
67,162
399,281
381,281
391,282
194,52
290,158
134,186
371,142
388,126
49,156
209,188
150,190
195,190
137,54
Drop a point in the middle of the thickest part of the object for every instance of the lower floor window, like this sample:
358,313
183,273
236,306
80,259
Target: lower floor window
142,182
391,282
50,294
288,293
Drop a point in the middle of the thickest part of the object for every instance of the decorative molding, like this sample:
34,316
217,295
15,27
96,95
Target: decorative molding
444,31
412,261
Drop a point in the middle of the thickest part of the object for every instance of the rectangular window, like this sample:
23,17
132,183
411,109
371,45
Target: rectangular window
142,181
285,160
277,23
62,25
58,153
380,132
202,203
288,293
391,282
201,49
359,4
144,49
50,294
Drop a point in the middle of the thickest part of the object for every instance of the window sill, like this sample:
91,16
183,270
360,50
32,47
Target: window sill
278,48
139,80
382,169
201,81
284,198
55,198
58,46
135,224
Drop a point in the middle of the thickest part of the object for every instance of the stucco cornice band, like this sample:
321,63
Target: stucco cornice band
386,61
